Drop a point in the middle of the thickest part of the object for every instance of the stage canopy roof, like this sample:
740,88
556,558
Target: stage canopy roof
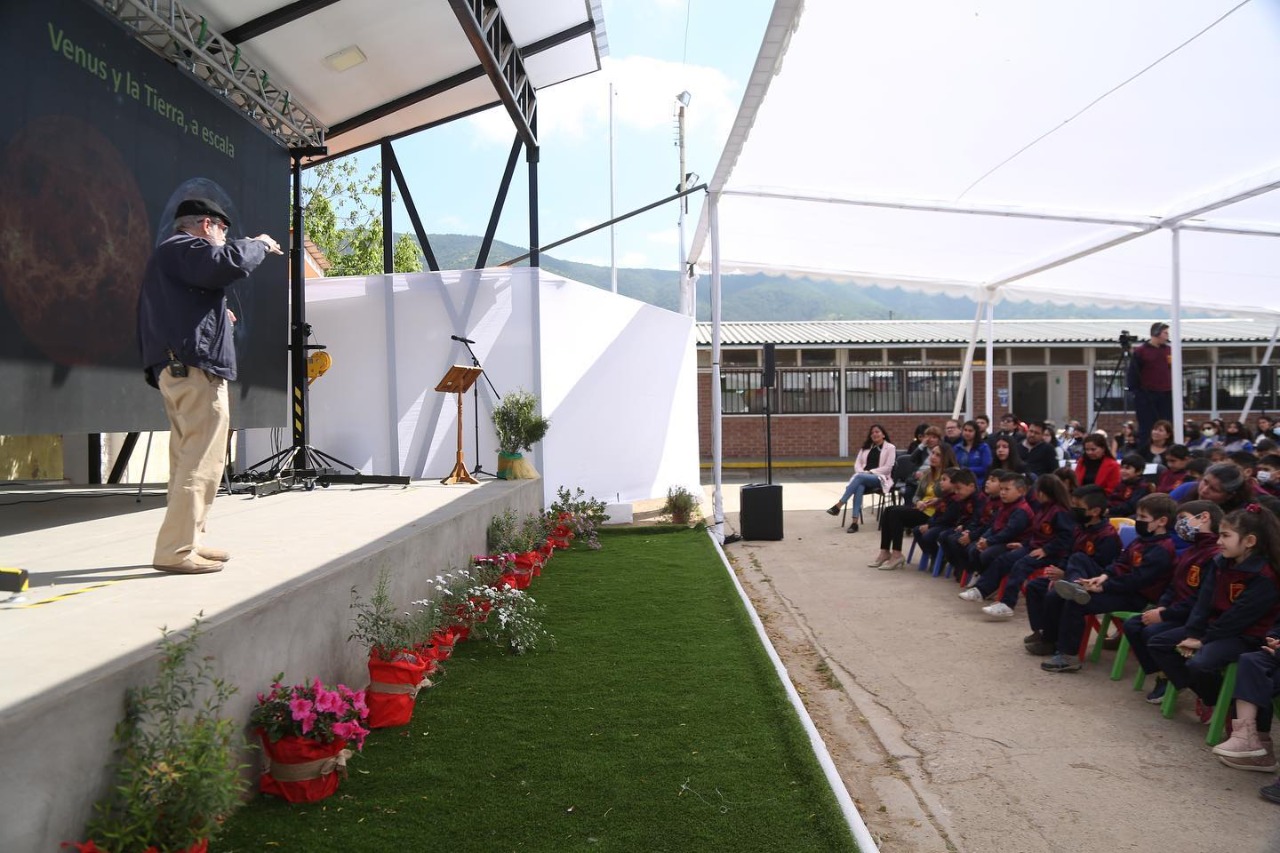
419,67
1056,152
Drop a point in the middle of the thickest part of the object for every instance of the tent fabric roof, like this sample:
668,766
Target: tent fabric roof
978,146
410,47
880,333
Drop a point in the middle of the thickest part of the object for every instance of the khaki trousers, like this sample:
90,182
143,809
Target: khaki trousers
199,415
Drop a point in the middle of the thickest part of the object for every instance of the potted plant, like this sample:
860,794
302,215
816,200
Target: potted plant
578,516
512,618
396,670
176,775
509,533
519,427
682,505
305,730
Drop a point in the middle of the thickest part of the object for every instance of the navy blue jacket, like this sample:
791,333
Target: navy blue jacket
182,305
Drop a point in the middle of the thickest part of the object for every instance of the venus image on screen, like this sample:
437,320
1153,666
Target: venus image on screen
73,242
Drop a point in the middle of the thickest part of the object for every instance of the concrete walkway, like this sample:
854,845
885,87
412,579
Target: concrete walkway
949,735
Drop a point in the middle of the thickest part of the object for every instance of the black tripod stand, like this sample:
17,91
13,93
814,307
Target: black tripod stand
1121,369
478,471
300,463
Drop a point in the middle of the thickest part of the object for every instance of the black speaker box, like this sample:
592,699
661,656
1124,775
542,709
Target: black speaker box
760,514
770,366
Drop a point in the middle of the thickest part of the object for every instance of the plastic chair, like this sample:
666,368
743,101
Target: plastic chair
878,493
1218,722
1128,533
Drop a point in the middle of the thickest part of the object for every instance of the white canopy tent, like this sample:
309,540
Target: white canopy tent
1093,152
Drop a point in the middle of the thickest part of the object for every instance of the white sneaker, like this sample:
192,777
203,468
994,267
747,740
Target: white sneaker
971,595
999,610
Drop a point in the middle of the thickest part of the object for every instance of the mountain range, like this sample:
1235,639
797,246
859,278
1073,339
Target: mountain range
763,297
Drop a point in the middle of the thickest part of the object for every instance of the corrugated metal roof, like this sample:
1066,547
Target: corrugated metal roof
956,332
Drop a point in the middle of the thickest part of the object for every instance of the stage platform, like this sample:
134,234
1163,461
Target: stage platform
88,626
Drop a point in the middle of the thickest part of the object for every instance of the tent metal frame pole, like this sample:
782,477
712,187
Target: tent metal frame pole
967,370
717,415
1175,333
1257,377
991,358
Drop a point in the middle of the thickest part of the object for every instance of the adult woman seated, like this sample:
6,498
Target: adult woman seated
973,452
1225,484
1159,443
928,497
1097,466
872,470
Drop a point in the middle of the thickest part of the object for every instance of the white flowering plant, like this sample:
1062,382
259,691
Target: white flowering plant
498,613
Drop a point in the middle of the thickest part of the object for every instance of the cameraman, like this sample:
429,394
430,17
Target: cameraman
1150,380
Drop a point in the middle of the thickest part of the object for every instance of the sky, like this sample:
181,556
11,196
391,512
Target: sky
453,171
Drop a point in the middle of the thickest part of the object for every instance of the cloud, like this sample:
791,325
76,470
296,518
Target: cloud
644,99
671,236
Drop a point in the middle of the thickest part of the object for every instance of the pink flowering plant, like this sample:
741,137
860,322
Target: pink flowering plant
312,711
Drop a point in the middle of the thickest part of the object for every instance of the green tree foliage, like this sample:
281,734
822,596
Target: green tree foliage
341,208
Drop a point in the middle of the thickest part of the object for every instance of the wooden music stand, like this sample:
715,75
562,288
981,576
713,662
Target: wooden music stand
458,381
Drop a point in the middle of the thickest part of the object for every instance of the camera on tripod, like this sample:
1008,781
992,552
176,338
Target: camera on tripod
1126,341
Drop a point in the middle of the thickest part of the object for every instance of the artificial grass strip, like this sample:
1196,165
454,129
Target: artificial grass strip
657,724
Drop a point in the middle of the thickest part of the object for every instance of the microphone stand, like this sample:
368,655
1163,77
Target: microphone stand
477,471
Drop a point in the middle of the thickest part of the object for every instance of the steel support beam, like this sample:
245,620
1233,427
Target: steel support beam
418,229
186,40
499,202
482,22
264,24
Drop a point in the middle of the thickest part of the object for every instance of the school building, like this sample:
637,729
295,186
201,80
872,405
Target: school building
836,378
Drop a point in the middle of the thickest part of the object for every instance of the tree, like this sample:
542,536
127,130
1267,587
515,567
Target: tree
341,214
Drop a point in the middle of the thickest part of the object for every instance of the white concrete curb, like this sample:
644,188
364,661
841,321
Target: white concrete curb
861,835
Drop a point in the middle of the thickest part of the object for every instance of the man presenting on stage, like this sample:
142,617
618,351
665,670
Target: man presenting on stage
1150,378
184,332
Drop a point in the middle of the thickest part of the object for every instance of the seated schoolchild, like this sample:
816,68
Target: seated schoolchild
1124,497
1190,487
1136,578
1257,685
955,544
1175,468
1047,542
1096,545
960,505
1197,526
1268,474
1011,521
1238,602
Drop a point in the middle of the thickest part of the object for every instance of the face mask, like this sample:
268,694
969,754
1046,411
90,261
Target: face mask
1263,476
1143,527
1209,433
1185,529
1081,515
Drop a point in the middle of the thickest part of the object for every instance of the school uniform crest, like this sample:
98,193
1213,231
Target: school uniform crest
1090,547
1137,557
1233,591
1046,528
1193,576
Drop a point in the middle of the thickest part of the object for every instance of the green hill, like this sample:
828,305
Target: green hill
762,297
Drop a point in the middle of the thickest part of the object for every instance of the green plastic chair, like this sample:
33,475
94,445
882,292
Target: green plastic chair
1218,722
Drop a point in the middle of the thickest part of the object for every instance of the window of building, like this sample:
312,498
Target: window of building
870,355
802,391
931,390
905,355
1027,355
1197,355
818,358
1234,384
788,357
1196,392
944,355
1069,356
871,391
704,357
739,358
1108,386
1236,355
741,392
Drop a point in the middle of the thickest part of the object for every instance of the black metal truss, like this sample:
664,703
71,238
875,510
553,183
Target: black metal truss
483,24
275,19
391,167
499,201
186,39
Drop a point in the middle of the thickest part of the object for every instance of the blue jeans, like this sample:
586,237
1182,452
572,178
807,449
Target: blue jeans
858,486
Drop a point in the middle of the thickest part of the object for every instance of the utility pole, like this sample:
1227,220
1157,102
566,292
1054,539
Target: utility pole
613,239
686,298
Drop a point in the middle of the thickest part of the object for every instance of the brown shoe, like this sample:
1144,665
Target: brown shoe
193,564
217,555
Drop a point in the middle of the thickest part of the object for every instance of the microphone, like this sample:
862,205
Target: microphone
461,340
